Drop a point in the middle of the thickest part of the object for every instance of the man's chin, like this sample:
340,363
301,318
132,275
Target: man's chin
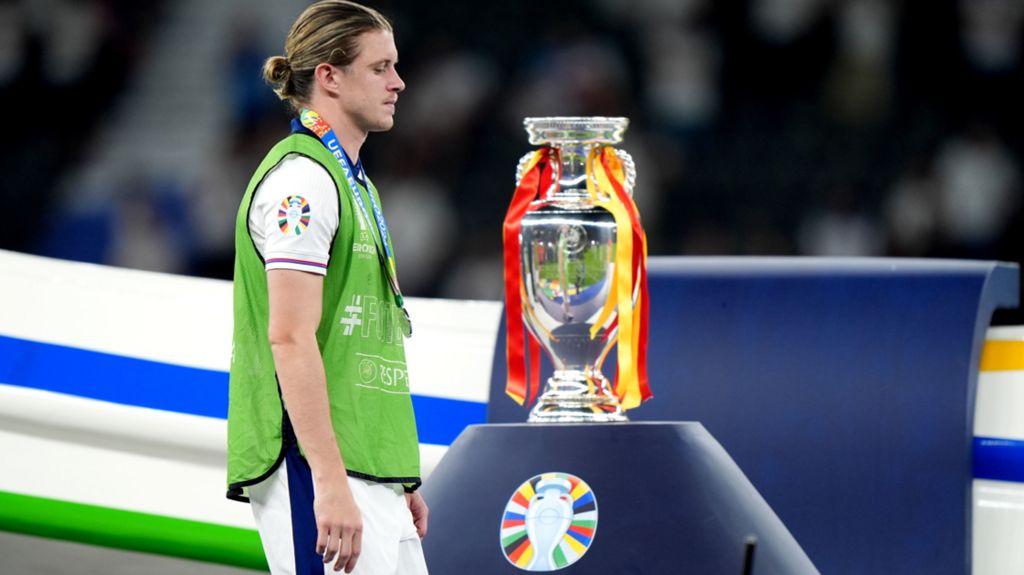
384,125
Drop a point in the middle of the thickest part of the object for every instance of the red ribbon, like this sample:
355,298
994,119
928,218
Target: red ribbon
538,178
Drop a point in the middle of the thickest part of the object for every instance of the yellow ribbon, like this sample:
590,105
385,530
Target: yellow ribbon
601,191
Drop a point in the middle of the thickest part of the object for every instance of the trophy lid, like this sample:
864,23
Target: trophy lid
575,130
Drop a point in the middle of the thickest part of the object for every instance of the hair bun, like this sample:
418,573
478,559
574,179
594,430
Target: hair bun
277,72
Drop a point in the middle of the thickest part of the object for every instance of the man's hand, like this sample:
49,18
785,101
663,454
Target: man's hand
339,525
419,510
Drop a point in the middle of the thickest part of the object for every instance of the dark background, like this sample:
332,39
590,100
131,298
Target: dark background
764,127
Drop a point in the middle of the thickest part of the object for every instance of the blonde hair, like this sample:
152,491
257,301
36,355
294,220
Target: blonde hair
327,31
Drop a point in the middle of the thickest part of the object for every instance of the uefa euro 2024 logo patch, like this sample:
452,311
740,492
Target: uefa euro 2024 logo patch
549,523
293,215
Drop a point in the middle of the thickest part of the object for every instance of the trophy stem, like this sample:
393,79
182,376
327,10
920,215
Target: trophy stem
572,177
575,396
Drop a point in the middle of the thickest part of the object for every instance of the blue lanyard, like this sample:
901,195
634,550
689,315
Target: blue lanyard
330,140
314,123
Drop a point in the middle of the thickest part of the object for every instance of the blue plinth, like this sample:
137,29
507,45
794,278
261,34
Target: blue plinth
843,388
666,498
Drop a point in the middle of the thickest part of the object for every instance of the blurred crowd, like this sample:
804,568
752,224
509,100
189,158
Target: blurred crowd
62,66
759,127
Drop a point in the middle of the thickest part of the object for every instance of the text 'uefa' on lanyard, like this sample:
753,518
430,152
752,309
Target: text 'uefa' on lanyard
314,123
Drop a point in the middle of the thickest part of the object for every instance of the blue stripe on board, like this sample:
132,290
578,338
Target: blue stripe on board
168,387
999,459
113,378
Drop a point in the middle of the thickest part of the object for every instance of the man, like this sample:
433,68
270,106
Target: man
321,435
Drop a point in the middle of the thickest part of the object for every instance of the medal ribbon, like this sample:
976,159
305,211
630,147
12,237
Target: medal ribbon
314,123
537,177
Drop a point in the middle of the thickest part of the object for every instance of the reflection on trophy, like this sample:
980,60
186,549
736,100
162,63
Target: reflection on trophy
575,272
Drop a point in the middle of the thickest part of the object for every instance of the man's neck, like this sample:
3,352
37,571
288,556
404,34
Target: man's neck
349,136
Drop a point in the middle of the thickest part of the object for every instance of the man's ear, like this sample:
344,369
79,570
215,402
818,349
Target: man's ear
327,77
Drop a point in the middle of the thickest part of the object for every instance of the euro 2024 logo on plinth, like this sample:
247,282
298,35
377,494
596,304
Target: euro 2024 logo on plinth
549,523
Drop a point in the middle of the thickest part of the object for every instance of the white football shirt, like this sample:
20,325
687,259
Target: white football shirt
294,216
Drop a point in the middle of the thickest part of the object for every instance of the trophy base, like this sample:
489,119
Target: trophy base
577,400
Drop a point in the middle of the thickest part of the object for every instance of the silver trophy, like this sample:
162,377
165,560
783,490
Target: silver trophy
568,267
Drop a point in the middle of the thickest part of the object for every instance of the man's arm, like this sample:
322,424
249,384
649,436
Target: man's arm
295,308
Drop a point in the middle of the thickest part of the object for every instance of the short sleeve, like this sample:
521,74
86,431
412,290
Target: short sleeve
294,216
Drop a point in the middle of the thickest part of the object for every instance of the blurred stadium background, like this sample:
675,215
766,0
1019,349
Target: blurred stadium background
759,127
763,127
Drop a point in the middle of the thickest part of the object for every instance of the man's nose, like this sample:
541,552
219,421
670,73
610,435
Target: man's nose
397,84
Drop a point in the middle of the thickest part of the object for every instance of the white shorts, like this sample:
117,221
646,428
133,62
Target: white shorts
283,507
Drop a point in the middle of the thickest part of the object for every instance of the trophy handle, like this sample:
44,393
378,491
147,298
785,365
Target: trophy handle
521,171
627,161
521,168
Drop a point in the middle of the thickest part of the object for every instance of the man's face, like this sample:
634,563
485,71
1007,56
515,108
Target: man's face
370,84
